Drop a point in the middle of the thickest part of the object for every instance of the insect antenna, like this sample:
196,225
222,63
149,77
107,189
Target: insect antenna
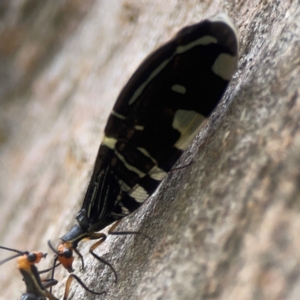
12,257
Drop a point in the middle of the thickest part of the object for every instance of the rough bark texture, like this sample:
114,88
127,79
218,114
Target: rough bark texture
227,227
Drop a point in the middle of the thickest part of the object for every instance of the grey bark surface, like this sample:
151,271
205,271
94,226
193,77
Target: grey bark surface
226,227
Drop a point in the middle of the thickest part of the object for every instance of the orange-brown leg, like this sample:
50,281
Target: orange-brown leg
102,238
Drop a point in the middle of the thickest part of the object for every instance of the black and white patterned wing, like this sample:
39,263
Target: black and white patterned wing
157,114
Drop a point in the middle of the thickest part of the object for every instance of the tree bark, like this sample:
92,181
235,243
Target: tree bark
226,227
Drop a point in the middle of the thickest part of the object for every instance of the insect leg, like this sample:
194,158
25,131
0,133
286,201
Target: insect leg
102,238
68,284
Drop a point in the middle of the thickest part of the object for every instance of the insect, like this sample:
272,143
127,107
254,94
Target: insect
156,116
35,287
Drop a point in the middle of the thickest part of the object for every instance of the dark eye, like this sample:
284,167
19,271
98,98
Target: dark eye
31,257
68,253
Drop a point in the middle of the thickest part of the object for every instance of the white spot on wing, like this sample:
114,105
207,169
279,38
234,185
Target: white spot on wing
205,40
128,166
125,210
139,194
124,187
109,142
180,89
147,154
188,123
115,114
184,120
139,127
224,66
157,173
152,75
225,19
